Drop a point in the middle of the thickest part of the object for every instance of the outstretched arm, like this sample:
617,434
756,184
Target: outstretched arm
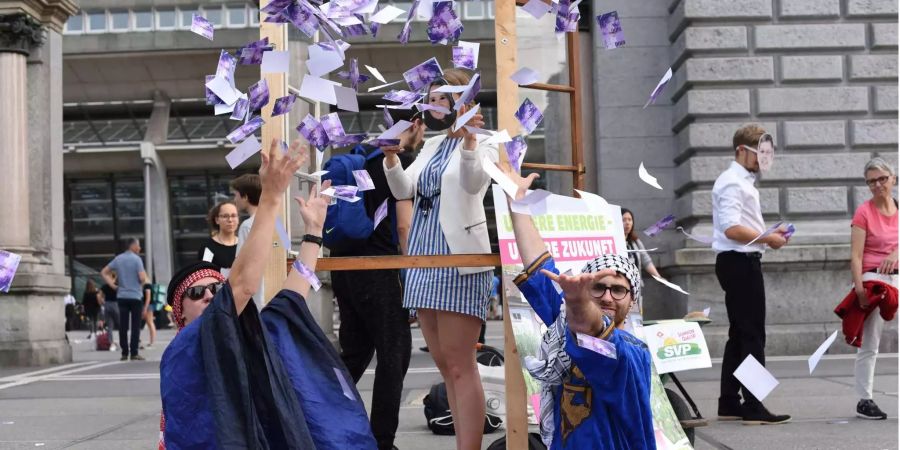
312,210
275,176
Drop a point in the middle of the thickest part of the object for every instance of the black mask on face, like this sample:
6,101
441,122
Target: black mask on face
435,124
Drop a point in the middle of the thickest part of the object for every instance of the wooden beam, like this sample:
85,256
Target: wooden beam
275,127
549,87
574,58
507,102
552,167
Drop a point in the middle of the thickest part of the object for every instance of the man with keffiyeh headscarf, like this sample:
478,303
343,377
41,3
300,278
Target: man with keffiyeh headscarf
237,378
595,377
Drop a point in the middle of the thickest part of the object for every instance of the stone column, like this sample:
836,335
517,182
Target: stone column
32,314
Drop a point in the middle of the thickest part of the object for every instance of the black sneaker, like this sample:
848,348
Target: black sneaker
759,415
867,409
124,358
137,358
730,411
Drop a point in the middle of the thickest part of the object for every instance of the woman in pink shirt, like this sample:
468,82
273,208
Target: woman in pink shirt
873,256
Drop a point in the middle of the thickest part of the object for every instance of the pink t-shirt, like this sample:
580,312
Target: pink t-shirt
881,234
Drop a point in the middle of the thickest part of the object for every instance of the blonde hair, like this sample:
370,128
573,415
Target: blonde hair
747,135
457,77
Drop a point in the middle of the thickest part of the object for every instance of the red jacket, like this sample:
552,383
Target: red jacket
881,295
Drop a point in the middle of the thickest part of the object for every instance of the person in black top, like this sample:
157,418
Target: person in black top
372,317
91,305
110,310
223,223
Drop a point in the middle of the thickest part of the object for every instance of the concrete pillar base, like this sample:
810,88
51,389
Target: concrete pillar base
34,353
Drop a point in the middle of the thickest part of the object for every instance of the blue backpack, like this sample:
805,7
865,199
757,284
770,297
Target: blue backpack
348,224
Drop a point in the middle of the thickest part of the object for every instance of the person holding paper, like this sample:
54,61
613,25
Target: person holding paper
873,257
449,184
738,221
595,377
233,377
223,224
370,302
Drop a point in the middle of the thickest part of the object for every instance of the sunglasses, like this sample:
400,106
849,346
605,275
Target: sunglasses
197,292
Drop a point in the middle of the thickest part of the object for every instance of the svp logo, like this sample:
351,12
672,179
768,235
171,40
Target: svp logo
675,348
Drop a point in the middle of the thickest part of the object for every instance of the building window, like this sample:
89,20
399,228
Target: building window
118,20
143,20
237,16
254,16
214,16
75,24
165,19
96,22
473,10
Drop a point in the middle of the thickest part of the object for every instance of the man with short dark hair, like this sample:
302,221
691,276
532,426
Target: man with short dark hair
246,190
128,284
737,221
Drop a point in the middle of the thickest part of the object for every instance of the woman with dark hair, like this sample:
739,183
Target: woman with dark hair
637,253
91,305
223,224
448,185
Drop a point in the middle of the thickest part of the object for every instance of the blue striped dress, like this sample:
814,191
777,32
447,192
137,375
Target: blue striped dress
440,288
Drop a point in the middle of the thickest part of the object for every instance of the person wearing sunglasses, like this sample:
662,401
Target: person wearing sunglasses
873,257
595,377
224,381
738,221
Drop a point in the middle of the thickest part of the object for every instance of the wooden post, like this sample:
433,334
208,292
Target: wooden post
507,103
277,128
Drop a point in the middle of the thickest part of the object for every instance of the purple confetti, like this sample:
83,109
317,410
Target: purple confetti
252,53
384,142
421,76
302,16
332,125
567,17
444,24
515,150
468,96
611,28
381,212
276,6
464,57
307,274
259,95
241,108
402,96
202,27
349,139
353,75
345,191
363,180
211,98
282,234
9,264
388,120
283,105
312,130
529,116
660,225
790,231
241,132
407,26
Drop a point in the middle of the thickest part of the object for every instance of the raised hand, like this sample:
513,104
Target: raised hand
277,170
522,183
314,208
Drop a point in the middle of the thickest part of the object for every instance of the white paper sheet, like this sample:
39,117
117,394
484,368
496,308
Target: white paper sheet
500,137
475,46
394,131
375,73
647,178
275,61
497,175
533,203
706,311
243,151
536,8
318,90
756,378
463,119
670,285
372,89
346,98
222,88
659,87
817,355
207,255
387,14
594,201
525,76
322,62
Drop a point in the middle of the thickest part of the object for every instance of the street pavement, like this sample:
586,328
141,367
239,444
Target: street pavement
98,402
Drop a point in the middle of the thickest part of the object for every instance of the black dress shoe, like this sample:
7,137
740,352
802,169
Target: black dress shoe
759,415
730,410
424,349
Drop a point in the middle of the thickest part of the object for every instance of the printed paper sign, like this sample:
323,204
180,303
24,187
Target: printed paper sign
677,345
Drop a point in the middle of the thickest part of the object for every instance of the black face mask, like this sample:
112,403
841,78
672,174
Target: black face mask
444,123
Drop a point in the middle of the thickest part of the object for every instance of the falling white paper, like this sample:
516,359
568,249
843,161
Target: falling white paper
647,178
642,250
533,203
243,151
463,119
706,311
497,175
275,61
387,14
593,201
755,378
481,131
659,87
500,137
322,62
282,234
318,90
451,89
207,255
817,355
394,131
222,88
375,73
702,239
372,89
525,76
344,385
670,285
381,213
320,158
346,98
536,8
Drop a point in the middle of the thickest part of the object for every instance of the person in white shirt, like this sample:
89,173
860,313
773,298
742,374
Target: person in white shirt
246,190
737,221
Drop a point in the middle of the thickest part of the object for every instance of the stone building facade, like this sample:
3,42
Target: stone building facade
820,75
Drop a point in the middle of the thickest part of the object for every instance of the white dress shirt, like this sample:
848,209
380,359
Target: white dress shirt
735,201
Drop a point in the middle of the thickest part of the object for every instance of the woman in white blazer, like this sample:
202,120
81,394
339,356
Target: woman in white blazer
448,184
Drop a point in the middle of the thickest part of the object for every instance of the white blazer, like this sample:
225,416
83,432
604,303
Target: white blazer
463,187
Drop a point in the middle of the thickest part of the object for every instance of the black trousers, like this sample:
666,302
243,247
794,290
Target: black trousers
130,313
740,275
373,321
